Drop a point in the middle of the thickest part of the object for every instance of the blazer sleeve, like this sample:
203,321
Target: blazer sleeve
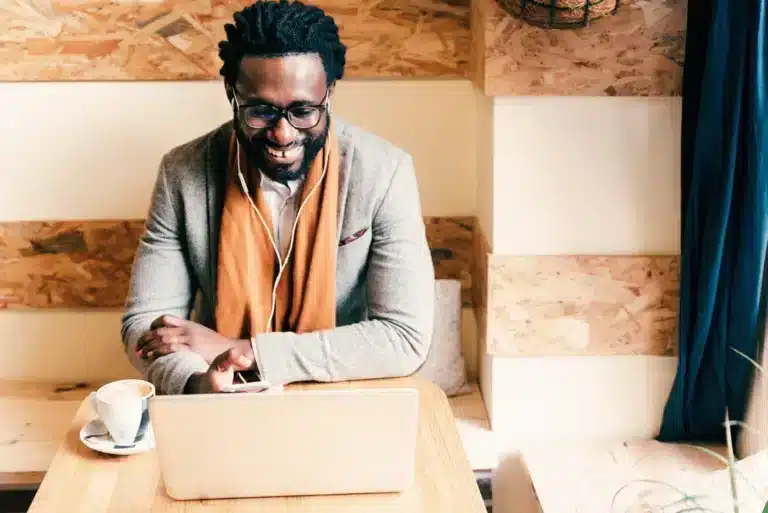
395,339
161,283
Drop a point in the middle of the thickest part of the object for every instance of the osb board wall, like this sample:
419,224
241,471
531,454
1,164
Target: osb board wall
87,264
638,51
481,259
177,39
66,263
450,240
572,305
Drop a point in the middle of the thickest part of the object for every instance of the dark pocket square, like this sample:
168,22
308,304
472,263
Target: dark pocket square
353,237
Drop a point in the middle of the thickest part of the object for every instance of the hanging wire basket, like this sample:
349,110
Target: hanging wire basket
559,13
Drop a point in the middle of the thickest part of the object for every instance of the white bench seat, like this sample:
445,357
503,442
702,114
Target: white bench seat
474,429
568,478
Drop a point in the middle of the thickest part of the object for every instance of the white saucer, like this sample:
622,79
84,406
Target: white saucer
94,435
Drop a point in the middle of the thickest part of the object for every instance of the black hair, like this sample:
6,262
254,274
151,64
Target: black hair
270,28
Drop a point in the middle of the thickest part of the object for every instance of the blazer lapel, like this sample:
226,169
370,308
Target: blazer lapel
346,154
215,181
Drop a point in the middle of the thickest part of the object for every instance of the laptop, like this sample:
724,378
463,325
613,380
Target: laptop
286,443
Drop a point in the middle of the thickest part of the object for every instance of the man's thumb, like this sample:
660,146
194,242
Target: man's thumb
241,362
235,360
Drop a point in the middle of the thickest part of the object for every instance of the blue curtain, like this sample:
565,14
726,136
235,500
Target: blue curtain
723,239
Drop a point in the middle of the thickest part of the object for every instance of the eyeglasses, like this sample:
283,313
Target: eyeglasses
301,117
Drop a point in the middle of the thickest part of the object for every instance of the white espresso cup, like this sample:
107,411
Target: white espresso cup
122,406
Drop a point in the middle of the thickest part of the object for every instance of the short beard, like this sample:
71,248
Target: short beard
257,161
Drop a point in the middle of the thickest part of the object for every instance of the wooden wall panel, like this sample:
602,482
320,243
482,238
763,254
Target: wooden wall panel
580,305
66,264
177,39
638,51
87,264
451,242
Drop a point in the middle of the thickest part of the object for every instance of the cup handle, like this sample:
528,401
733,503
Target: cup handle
92,403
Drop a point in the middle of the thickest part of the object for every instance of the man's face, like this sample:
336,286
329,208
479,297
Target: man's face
271,143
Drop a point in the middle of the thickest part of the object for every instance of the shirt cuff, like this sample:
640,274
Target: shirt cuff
256,362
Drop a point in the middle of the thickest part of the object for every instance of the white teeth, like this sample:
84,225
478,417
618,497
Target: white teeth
284,154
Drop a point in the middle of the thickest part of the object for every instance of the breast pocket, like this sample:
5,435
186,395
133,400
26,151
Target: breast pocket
352,258
349,239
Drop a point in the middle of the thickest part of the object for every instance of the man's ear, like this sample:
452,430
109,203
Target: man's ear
331,89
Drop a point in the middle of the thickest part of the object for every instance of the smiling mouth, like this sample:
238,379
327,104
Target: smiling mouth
290,154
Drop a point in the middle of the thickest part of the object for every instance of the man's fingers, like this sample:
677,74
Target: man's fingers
163,335
149,348
160,347
173,321
231,360
167,334
167,328
163,350
145,339
167,320
222,369
157,323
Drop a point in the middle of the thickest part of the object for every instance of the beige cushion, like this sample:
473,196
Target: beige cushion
444,365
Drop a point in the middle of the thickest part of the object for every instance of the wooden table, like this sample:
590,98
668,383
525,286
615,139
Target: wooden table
85,481
33,420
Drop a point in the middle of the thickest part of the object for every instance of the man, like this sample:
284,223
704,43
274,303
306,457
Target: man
285,242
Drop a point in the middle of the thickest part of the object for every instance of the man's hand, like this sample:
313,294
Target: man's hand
170,334
220,374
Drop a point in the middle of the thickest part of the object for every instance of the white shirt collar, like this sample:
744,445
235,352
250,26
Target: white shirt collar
285,190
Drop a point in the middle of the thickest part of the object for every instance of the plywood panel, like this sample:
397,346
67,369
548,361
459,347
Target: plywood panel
450,239
87,264
177,39
638,51
578,305
66,263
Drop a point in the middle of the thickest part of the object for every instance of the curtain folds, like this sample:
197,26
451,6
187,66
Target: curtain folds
724,217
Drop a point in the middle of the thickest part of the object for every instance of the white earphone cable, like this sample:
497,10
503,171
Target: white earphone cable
281,263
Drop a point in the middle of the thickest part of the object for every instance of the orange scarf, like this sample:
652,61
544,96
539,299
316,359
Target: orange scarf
306,294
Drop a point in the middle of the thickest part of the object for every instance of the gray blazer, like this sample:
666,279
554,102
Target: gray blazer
384,275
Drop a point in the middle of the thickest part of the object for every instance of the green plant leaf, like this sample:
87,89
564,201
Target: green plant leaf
684,497
726,463
765,509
